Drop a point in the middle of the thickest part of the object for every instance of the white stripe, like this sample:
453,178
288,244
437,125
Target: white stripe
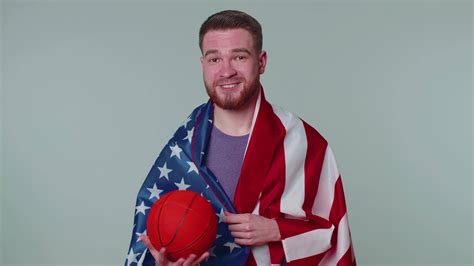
343,243
295,145
307,244
327,181
260,253
142,258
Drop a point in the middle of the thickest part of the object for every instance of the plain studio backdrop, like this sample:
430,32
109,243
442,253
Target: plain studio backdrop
92,90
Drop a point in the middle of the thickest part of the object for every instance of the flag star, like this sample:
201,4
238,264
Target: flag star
154,192
207,187
231,245
220,215
139,235
189,137
175,151
211,252
192,167
141,208
186,122
164,171
217,236
210,120
181,185
132,257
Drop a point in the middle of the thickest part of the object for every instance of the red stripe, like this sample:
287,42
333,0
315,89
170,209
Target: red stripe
313,164
347,259
338,209
274,183
273,188
258,158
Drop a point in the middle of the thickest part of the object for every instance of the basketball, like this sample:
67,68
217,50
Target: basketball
183,222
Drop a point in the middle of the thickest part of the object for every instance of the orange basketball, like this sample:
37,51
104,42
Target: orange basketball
183,222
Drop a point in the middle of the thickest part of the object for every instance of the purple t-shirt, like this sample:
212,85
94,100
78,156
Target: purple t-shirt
224,158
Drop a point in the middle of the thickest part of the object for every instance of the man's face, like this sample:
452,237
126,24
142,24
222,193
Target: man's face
231,67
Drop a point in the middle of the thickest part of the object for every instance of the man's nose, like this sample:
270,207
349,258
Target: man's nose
227,70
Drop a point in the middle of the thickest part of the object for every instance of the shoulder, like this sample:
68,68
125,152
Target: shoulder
297,127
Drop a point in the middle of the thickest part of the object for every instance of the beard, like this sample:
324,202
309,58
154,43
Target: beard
233,100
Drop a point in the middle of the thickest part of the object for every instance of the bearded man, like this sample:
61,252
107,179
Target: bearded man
271,178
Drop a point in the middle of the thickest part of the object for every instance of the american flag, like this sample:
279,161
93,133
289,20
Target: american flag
180,167
289,173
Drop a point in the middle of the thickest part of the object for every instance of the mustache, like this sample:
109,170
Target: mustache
220,82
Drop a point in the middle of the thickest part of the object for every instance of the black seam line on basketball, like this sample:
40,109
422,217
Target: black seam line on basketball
195,240
158,218
180,224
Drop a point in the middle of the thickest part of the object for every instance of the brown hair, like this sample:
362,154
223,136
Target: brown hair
232,19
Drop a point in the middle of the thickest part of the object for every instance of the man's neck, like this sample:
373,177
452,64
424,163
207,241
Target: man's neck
235,122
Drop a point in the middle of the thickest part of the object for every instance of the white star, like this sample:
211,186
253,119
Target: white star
154,192
231,245
210,120
217,236
186,122
175,150
181,185
132,257
220,215
189,137
164,171
140,234
192,167
141,208
211,252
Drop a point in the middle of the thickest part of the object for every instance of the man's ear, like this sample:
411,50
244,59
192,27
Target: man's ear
262,62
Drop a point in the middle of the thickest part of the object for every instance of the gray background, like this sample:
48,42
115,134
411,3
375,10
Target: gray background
91,91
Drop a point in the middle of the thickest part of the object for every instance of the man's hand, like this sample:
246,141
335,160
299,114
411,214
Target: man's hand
162,260
252,230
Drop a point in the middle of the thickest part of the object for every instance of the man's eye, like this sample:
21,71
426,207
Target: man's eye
239,57
213,60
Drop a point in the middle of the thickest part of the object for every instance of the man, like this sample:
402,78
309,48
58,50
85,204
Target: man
271,177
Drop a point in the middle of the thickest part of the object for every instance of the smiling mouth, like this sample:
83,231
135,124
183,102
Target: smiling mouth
229,86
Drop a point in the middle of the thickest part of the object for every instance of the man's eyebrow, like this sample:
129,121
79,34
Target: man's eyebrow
241,50
212,51
235,50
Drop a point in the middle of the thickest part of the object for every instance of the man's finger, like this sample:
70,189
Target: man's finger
180,262
190,260
244,235
162,259
233,218
240,227
203,257
147,243
244,241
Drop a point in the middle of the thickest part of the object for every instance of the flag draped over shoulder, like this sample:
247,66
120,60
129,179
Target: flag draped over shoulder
289,174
